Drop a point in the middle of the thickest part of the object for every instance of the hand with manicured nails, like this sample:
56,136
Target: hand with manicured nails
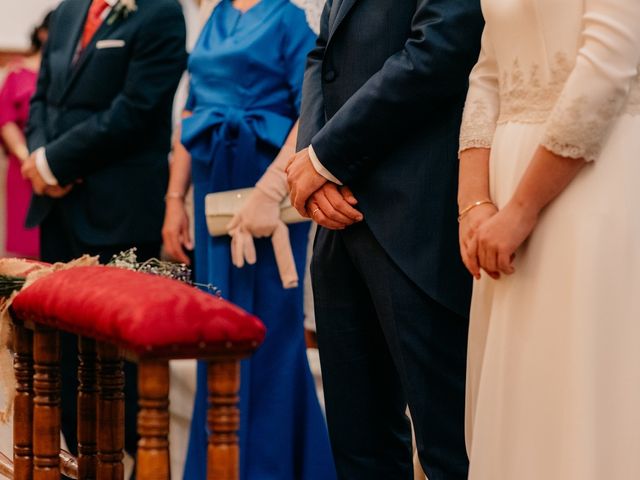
501,235
469,226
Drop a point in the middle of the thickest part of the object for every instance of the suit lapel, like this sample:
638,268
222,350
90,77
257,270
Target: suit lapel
343,9
88,52
76,26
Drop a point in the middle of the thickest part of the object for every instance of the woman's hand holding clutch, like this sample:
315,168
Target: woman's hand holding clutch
260,217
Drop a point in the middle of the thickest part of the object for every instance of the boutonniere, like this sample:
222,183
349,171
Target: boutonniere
122,9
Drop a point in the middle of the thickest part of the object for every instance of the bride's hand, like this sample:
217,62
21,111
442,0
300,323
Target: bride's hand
500,236
467,235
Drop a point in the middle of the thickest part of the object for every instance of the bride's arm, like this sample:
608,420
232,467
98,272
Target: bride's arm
579,124
476,137
598,87
499,237
474,203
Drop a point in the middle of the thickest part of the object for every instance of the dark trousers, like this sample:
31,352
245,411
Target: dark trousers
385,344
59,244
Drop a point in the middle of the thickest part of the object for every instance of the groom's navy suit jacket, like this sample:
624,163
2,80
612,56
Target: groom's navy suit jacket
105,119
382,104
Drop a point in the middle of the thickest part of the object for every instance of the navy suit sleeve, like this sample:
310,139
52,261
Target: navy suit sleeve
312,113
156,66
36,126
433,65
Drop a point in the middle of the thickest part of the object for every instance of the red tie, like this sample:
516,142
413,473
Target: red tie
94,19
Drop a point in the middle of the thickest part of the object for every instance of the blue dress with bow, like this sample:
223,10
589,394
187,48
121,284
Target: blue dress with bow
246,79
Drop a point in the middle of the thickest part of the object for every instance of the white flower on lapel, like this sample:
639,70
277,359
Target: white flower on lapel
122,9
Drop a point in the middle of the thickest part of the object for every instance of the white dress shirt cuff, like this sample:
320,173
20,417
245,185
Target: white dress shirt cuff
43,167
320,168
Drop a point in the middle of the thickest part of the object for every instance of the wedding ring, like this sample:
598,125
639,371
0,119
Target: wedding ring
313,214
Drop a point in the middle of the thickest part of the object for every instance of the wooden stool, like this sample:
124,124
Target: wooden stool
122,314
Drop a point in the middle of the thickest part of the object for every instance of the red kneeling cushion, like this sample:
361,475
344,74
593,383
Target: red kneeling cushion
146,314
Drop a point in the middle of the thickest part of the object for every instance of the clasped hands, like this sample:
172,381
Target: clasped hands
490,237
311,194
40,187
314,197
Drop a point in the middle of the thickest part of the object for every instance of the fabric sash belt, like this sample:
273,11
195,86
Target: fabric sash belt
224,139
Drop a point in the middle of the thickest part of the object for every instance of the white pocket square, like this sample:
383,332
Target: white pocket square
110,44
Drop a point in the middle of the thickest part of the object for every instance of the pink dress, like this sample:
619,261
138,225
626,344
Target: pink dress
19,86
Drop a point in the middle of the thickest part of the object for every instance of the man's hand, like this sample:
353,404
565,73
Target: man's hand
30,172
56,191
303,180
333,208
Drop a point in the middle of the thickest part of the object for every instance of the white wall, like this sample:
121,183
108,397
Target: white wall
17,18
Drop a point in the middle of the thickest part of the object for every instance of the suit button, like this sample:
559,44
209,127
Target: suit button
330,76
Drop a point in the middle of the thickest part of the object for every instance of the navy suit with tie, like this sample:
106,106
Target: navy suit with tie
103,115
382,106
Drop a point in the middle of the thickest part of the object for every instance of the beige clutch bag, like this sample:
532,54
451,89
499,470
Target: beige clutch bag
220,207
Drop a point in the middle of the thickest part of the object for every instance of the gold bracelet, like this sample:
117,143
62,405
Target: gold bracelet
467,209
176,195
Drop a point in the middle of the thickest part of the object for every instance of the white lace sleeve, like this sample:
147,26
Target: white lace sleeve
482,105
598,87
313,9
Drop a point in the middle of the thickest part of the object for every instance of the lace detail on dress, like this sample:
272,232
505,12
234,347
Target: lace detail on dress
477,126
529,96
576,131
525,97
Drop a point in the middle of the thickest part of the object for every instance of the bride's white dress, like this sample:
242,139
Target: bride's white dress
554,353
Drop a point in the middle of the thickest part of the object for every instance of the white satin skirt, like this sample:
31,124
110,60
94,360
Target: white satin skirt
554,350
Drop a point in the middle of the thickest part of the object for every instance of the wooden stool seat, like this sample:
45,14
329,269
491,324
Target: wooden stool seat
147,319
149,316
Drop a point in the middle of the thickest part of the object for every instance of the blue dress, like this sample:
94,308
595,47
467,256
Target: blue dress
246,79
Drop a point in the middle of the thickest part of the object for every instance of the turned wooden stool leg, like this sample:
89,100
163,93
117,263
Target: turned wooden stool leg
87,409
153,421
6,466
223,418
23,407
46,411
110,413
